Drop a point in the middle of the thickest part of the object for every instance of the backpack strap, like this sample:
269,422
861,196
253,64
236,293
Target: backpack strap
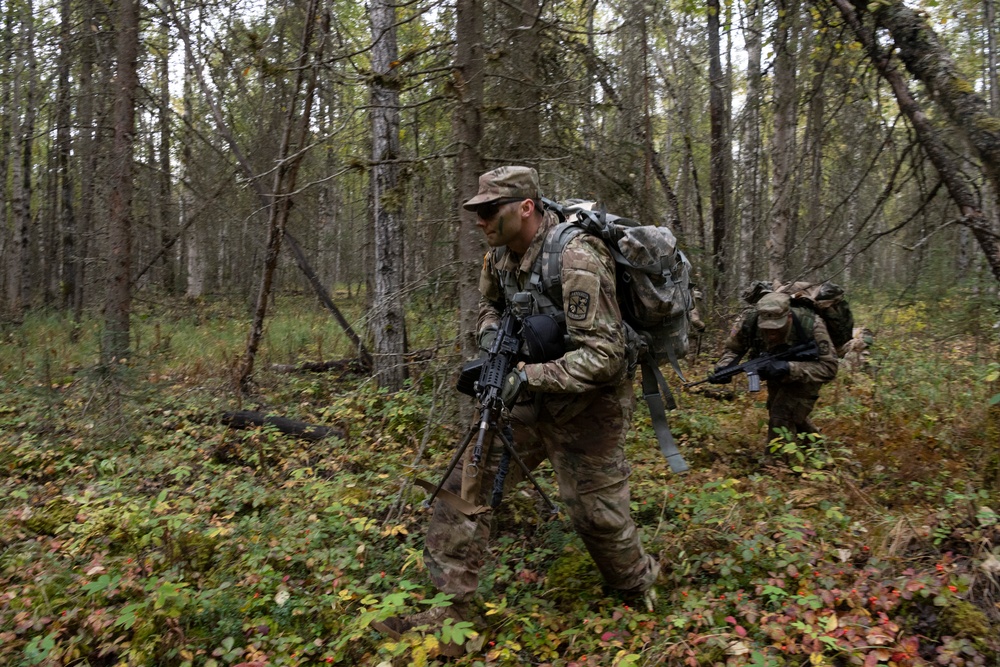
652,384
546,280
546,273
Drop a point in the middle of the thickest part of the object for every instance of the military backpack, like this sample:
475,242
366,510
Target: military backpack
653,290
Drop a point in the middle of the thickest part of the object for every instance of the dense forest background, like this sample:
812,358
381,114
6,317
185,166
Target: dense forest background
156,149
205,203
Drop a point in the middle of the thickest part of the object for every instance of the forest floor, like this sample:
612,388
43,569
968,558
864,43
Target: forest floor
136,528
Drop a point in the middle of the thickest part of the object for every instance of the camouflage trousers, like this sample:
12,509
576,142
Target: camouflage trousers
789,405
588,458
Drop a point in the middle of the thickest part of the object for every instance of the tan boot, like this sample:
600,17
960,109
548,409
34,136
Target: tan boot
427,622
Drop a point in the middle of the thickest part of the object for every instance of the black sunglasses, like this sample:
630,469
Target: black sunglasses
488,211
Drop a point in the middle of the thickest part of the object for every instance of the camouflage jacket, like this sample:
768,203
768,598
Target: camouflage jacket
595,357
745,337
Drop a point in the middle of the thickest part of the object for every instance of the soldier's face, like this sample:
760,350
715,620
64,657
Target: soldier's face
774,337
501,222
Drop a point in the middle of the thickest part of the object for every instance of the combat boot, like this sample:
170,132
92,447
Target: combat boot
427,622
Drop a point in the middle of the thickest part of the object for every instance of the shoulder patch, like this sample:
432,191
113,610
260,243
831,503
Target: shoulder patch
578,305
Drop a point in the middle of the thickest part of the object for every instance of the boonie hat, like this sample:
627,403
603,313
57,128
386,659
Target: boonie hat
505,183
772,310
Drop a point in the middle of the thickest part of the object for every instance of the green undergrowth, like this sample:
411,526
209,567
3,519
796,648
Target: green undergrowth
137,529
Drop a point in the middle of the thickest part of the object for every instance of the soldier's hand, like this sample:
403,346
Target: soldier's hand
713,379
513,384
486,338
775,370
719,380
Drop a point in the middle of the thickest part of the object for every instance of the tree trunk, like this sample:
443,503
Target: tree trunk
64,148
20,267
117,300
990,19
783,141
468,128
194,257
718,148
524,139
752,156
87,151
164,206
814,135
388,322
290,153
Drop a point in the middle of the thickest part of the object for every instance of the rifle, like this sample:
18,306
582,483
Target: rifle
500,360
808,351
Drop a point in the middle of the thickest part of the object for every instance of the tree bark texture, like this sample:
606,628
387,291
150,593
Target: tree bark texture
522,144
468,79
387,319
719,147
783,141
64,148
752,159
20,267
117,300
990,20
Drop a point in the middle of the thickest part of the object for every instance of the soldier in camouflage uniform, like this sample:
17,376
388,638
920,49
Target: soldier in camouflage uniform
574,410
792,386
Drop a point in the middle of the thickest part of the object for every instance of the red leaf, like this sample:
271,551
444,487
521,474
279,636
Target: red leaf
741,631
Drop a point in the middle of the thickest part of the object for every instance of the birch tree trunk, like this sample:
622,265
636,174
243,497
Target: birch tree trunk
752,157
195,261
21,144
6,120
387,321
990,19
814,134
87,150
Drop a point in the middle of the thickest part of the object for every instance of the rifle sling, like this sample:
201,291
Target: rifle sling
652,383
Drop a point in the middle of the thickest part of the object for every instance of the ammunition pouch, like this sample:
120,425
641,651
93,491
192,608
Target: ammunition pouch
542,338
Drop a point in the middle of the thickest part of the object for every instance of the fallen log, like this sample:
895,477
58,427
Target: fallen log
313,432
355,366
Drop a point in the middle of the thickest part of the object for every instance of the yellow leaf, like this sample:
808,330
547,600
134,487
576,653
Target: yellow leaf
831,623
